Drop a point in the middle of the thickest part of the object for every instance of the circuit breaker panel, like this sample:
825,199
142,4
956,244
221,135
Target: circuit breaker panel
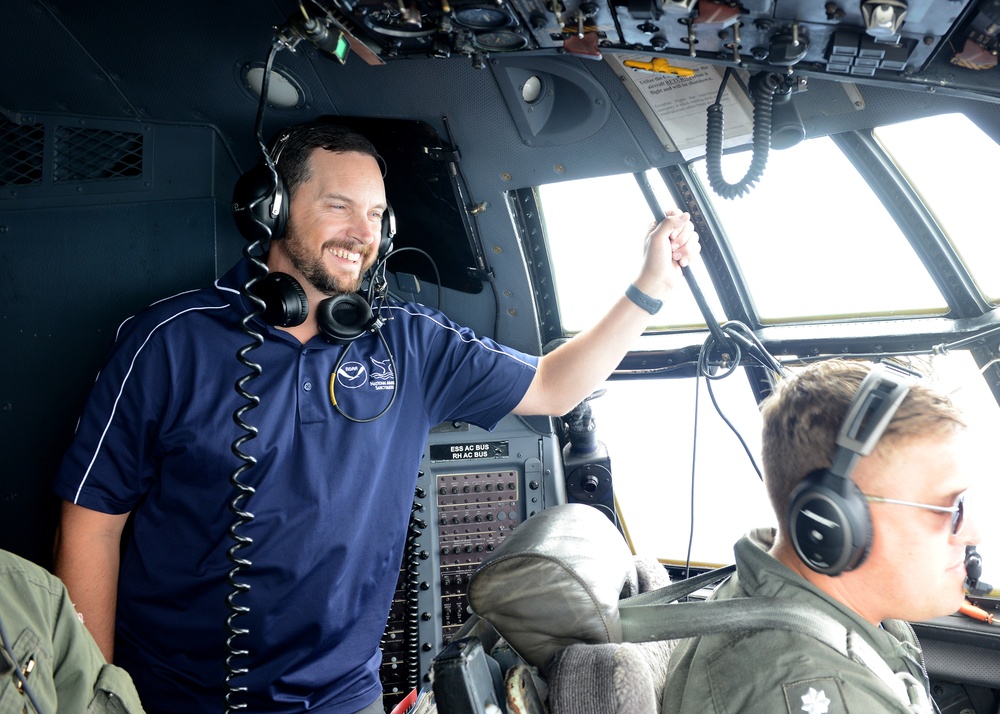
473,490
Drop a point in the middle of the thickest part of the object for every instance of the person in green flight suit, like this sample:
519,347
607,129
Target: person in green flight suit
866,542
49,662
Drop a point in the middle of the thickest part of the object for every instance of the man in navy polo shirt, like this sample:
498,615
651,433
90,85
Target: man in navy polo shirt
341,432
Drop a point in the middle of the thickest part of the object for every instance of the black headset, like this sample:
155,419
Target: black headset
341,319
828,516
260,209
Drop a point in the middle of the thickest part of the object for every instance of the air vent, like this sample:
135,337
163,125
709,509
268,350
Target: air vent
96,155
21,152
68,159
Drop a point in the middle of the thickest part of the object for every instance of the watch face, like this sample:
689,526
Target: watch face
499,41
481,18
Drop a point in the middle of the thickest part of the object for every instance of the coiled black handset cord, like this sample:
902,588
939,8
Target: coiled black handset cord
762,89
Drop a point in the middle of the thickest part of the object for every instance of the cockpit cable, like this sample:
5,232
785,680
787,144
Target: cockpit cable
724,347
726,340
705,371
433,264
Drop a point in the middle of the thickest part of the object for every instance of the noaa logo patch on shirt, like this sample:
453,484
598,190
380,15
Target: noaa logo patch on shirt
360,388
352,375
814,696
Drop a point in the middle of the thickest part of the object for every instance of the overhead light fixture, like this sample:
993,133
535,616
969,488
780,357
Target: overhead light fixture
552,103
283,91
531,90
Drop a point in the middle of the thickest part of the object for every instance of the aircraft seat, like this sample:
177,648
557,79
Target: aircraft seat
551,591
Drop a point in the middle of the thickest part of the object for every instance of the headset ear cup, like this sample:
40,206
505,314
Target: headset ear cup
829,523
260,204
388,232
285,302
344,318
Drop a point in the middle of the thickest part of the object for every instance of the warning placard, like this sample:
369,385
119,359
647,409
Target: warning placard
676,106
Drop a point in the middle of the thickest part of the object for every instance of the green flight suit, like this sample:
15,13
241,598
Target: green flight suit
771,670
63,666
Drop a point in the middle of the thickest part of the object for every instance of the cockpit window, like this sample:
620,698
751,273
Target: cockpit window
813,240
814,245
595,254
958,185
687,488
684,487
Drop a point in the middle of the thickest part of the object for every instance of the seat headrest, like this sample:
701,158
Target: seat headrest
556,581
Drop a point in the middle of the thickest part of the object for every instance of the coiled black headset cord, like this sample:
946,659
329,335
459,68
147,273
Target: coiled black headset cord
237,506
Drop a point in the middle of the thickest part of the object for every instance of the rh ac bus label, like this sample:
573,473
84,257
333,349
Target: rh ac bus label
462,452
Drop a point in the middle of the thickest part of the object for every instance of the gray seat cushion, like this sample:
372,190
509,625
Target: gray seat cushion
609,679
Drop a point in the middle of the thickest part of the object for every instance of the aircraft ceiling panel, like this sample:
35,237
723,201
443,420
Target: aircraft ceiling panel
181,62
889,41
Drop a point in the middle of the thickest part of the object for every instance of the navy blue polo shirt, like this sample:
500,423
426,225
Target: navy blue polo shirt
331,497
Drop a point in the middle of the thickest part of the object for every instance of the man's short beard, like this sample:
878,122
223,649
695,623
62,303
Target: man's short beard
313,269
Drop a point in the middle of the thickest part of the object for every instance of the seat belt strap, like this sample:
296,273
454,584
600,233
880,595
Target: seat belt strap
906,687
651,621
682,588
655,615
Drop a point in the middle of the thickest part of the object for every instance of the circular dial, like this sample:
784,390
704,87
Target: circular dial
479,17
499,41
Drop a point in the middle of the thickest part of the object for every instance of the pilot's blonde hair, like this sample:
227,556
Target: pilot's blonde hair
804,413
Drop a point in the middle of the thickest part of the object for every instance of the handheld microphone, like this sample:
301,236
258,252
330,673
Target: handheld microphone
974,571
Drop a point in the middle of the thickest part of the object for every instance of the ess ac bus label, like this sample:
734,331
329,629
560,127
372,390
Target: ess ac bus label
461,452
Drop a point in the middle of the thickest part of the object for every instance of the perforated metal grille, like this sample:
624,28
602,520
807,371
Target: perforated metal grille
21,152
96,155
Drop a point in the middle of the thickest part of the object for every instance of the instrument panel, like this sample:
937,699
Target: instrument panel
889,39
473,490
